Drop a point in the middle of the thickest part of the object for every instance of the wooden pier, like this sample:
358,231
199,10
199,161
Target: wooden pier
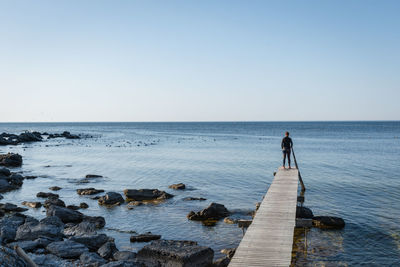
269,239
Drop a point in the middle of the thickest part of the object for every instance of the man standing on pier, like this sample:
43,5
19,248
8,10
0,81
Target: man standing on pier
286,146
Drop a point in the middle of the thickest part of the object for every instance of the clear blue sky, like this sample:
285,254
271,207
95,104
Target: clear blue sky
199,60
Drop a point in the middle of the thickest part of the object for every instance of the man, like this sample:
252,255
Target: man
286,146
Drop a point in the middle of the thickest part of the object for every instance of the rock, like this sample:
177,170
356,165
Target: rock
229,252
27,246
9,226
54,201
68,135
9,258
222,262
91,241
229,220
8,207
49,227
89,191
98,221
73,207
55,188
93,176
82,228
10,182
32,204
5,171
214,211
304,213
83,205
31,177
107,250
47,195
244,223
124,256
91,259
146,194
144,237
29,137
122,264
67,249
111,198
66,215
10,160
96,197
179,186
49,260
328,222
175,253
194,198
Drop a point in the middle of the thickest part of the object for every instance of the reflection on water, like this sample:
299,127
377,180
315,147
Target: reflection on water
350,170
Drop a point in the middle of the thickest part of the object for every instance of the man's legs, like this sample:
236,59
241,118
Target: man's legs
288,157
284,158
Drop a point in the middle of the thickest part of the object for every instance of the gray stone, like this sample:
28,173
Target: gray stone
49,260
144,237
122,264
92,241
5,171
179,186
47,194
8,207
9,226
82,228
107,250
89,191
27,246
214,211
10,160
66,215
124,256
50,227
111,198
146,194
91,259
67,249
173,253
53,201
8,258
99,221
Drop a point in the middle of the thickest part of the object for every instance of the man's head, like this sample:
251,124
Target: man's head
286,133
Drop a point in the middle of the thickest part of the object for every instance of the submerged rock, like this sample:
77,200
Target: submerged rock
10,181
10,160
83,205
144,237
229,252
93,176
214,211
175,253
146,194
98,221
55,188
89,191
111,198
328,222
67,249
194,198
54,201
179,186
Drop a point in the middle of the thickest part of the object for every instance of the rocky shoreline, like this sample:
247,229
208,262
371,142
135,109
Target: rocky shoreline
68,237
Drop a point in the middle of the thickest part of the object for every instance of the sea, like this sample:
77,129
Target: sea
350,169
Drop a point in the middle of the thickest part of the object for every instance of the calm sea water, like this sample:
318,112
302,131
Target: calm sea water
351,170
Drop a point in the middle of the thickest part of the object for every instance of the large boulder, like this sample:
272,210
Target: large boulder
4,171
215,211
146,194
53,201
66,215
10,182
49,260
99,221
111,198
50,227
328,222
9,207
8,258
10,160
124,256
29,137
67,249
92,241
175,254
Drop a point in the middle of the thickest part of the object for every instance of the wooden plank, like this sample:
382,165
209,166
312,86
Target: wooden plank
269,239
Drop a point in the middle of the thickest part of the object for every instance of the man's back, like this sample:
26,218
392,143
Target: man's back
287,143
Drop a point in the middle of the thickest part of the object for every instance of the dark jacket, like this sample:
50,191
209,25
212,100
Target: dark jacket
286,143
